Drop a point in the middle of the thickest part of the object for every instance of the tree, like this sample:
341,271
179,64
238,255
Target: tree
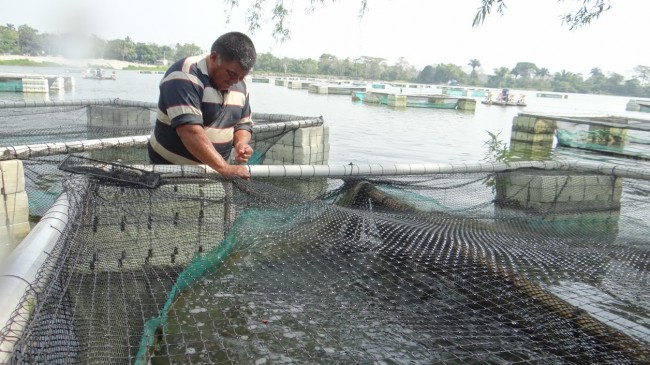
267,62
597,81
9,39
566,81
186,50
401,70
500,77
473,63
327,64
524,69
443,73
596,73
588,11
426,75
542,73
374,67
28,40
146,53
642,73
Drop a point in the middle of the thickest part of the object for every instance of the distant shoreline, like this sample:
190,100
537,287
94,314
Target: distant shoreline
81,63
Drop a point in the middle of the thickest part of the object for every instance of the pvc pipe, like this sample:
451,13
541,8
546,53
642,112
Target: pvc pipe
59,148
293,171
18,271
81,102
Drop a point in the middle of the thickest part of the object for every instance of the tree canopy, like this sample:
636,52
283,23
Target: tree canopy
583,15
586,11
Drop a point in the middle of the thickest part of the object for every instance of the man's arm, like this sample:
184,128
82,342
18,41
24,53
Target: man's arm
243,150
198,144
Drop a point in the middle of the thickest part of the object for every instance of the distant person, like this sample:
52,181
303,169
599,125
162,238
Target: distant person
99,73
505,95
204,109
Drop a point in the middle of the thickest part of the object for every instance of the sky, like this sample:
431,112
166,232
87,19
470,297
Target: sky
423,32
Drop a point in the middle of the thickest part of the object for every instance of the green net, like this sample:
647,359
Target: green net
627,137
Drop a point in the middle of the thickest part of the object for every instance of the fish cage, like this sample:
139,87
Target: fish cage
532,262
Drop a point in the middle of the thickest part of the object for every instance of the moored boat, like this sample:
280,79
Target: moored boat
505,99
552,95
99,74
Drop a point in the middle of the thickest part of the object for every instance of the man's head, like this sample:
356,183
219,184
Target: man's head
232,56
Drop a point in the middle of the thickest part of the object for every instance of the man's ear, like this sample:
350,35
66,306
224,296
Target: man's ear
214,56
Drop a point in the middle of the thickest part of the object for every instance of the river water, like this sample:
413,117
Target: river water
370,133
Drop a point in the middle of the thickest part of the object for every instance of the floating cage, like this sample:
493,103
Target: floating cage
527,263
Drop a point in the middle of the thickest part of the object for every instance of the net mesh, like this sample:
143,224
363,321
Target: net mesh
526,266
409,269
42,134
627,137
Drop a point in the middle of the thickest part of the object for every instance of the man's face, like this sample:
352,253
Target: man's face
225,74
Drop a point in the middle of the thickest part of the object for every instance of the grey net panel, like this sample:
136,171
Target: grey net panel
44,134
465,268
27,124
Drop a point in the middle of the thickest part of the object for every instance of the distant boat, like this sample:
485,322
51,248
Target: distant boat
505,99
99,75
503,103
552,95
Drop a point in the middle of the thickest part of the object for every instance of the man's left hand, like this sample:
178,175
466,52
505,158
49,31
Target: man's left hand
243,151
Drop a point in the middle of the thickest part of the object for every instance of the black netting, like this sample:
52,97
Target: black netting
503,266
113,130
450,269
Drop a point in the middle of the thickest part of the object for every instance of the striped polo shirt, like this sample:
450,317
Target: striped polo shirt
188,97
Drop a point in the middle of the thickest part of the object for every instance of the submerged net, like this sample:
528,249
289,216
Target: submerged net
527,266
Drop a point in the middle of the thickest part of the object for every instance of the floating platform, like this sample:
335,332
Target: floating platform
638,105
464,91
34,83
414,100
262,80
552,95
335,89
611,135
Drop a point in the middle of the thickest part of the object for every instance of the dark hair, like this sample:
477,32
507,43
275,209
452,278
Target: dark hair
236,46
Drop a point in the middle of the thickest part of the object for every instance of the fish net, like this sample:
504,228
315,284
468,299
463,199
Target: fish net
43,134
437,268
526,263
617,136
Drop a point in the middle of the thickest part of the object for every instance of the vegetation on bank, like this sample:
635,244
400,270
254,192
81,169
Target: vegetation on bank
30,63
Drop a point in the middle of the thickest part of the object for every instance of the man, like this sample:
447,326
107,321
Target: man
204,109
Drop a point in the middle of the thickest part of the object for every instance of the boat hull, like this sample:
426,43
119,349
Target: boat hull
502,103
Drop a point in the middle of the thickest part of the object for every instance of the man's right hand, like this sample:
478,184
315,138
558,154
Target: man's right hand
235,170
